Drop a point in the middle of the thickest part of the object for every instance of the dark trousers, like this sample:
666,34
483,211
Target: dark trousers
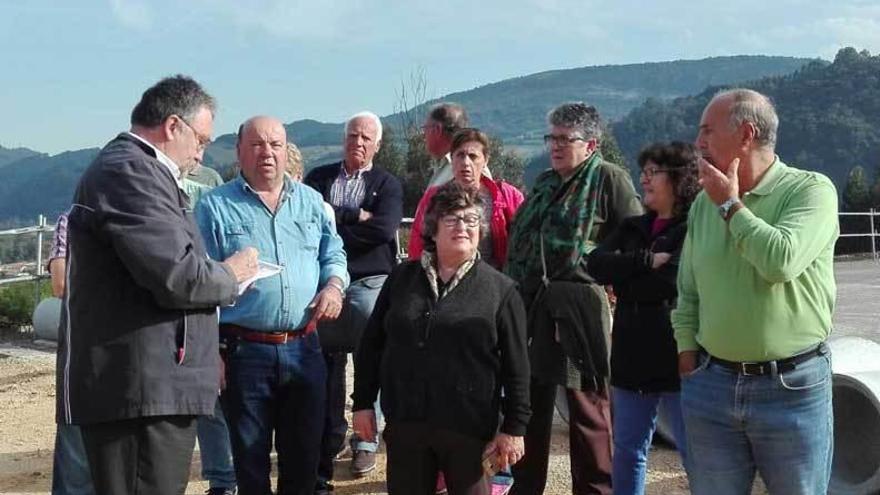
275,392
589,442
417,452
335,425
141,455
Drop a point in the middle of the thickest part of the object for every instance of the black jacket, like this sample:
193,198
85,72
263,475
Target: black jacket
370,246
444,363
139,328
643,351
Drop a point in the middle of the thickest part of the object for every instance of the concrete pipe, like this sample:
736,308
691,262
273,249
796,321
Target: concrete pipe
856,466
46,318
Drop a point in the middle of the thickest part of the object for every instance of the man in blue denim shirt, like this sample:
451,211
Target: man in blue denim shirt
275,372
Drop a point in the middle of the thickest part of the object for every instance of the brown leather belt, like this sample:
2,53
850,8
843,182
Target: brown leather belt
278,338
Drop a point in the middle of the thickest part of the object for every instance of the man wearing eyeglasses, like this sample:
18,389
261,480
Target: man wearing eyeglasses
137,359
443,121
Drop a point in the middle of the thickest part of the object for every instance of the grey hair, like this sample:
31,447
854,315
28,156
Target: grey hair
177,95
369,115
579,116
751,106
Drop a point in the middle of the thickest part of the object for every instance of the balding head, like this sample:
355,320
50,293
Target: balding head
443,121
746,105
262,152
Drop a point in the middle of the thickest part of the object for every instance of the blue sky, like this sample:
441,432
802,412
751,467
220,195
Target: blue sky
71,71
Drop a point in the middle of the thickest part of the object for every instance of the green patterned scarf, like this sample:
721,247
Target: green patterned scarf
560,211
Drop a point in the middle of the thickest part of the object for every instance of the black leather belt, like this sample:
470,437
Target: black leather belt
766,367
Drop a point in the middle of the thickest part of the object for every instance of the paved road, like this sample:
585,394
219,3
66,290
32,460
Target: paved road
858,299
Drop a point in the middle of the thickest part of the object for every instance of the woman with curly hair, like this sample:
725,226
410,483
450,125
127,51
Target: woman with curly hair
640,260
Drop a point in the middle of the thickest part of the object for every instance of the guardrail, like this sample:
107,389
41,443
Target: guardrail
43,228
871,214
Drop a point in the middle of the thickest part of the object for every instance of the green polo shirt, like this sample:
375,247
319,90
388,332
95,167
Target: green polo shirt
761,286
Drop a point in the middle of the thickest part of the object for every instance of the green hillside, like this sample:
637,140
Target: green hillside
513,109
829,116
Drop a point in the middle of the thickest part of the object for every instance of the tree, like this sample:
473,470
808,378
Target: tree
856,195
506,165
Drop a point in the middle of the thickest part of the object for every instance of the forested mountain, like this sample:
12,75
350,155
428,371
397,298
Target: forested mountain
829,116
516,108
9,155
41,185
513,109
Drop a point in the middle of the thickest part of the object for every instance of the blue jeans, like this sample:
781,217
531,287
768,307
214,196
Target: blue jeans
360,297
780,424
215,450
275,392
70,472
635,419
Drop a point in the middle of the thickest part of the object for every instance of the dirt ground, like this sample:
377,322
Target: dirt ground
27,431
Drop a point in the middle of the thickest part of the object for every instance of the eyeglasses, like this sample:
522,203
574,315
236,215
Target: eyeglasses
561,141
470,221
203,140
649,173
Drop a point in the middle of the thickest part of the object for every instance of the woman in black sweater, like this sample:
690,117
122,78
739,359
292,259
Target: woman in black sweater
446,335
640,260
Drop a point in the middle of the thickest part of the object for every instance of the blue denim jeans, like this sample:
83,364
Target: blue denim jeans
275,392
635,419
780,424
216,452
70,470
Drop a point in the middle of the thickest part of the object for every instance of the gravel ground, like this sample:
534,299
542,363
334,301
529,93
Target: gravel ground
27,430
27,408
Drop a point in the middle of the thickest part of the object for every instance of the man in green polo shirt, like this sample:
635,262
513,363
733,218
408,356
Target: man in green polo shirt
756,293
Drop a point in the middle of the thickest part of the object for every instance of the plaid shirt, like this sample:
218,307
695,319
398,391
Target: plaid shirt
59,238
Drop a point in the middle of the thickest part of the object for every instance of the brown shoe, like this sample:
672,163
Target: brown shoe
362,462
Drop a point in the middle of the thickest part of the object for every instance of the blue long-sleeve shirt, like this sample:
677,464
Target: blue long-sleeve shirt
299,236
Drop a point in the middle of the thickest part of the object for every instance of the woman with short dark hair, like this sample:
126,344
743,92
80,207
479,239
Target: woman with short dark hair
447,334
640,259
470,156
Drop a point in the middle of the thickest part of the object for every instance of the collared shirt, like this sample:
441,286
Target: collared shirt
348,190
162,157
298,236
761,286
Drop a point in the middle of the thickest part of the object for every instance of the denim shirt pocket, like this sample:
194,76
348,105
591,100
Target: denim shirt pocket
307,234
238,236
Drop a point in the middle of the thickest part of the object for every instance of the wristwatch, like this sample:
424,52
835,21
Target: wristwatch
725,207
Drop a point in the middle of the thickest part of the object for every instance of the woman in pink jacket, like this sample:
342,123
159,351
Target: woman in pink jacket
470,155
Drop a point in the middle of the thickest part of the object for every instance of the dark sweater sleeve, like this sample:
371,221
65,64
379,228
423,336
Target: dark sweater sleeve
368,358
380,229
515,370
608,264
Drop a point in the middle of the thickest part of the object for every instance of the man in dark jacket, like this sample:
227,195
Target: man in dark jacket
368,202
138,357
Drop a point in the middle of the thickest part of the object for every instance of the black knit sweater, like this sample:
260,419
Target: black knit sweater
445,362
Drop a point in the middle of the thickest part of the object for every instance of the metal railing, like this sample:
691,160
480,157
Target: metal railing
870,214
42,228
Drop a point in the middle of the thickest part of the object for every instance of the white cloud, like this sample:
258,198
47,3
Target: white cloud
135,14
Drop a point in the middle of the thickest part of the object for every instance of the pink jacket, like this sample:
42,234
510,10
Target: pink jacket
505,201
